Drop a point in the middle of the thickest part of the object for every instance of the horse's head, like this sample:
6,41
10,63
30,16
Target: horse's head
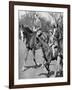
43,35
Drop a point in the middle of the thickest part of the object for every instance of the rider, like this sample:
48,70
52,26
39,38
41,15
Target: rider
37,23
52,41
37,26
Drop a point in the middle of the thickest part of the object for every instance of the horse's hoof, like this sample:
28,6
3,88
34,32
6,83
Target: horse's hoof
23,69
38,64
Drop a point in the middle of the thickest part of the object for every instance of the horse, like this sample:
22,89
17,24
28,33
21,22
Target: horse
51,52
31,42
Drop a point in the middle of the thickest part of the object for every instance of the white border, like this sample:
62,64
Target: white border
43,80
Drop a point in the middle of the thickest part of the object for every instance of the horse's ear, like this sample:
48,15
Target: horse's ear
22,26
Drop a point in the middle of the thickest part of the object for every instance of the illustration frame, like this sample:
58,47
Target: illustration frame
11,44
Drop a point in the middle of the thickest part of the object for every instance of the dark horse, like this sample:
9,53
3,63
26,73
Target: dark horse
31,41
52,52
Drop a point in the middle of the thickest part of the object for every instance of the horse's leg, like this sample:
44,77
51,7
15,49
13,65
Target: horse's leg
46,63
34,57
59,67
27,52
